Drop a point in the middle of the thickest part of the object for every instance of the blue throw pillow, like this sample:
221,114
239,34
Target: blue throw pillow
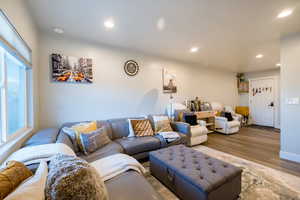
94,140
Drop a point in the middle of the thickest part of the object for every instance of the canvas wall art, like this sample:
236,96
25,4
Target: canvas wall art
71,69
169,82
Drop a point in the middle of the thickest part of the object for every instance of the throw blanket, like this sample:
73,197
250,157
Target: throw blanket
35,154
169,136
116,164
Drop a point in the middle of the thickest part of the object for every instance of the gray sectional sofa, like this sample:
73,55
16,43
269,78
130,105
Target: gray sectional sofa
138,147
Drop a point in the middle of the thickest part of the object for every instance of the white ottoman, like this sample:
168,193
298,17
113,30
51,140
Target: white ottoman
198,135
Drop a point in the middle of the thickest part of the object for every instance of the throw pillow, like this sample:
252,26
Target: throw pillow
73,178
75,131
12,176
229,117
94,140
32,188
131,131
72,134
142,127
162,123
191,119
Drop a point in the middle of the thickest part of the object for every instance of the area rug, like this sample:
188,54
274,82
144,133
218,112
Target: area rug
258,182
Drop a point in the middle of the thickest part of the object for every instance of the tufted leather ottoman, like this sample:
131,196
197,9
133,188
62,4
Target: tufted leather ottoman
192,175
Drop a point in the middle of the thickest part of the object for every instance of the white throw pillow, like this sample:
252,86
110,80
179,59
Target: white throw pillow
33,187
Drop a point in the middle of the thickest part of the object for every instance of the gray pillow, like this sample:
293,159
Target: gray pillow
70,178
94,140
72,134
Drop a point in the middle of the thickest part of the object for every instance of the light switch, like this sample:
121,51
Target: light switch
292,101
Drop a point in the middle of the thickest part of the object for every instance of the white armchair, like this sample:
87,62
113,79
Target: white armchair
222,124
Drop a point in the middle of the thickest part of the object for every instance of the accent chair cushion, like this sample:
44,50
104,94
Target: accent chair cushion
12,176
73,178
95,140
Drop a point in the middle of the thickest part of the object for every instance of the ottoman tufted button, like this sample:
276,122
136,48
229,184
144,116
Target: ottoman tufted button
198,168
225,166
206,157
201,177
209,163
196,162
213,171
183,166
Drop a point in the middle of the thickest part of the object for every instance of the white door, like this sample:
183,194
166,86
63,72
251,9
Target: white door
262,99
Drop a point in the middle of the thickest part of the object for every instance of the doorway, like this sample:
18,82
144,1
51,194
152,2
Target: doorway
263,101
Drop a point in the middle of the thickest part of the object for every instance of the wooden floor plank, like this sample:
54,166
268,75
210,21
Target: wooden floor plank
261,146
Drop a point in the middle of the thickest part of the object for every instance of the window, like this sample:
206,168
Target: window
15,82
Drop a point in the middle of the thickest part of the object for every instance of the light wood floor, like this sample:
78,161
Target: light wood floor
260,146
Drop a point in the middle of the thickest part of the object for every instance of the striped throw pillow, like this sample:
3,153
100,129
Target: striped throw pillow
142,127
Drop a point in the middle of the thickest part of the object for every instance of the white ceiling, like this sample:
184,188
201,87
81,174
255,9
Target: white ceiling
230,33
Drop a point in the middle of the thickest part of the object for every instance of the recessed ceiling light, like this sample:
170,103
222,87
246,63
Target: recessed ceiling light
278,64
259,56
109,23
58,30
285,13
194,49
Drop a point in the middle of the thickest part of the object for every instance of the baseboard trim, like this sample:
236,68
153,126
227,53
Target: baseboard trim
290,156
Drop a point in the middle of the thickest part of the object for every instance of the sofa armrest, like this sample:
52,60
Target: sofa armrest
181,127
223,119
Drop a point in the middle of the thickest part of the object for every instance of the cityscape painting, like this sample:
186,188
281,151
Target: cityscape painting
71,69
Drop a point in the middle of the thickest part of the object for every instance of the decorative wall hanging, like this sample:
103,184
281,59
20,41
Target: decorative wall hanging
71,69
131,68
242,83
169,85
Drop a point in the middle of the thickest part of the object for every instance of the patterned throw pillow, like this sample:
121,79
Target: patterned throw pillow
94,140
141,127
70,177
162,124
12,176
75,131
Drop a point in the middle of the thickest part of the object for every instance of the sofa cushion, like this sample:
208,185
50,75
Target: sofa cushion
134,145
119,189
233,124
119,127
64,138
45,136
107,150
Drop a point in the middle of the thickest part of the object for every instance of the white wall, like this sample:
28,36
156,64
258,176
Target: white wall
290,88
18,14
113,93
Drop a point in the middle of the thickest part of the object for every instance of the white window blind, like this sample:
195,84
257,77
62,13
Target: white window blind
12,41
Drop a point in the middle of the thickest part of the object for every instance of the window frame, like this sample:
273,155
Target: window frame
8,49
5,136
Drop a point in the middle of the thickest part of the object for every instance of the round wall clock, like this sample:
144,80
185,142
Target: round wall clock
131,68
